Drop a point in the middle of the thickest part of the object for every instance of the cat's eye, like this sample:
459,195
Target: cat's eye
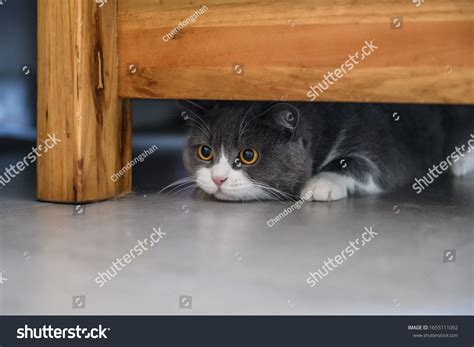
248,156
205,153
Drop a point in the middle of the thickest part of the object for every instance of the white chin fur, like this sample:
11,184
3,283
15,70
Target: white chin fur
233,197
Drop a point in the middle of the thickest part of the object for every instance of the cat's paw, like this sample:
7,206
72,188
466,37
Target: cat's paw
325,187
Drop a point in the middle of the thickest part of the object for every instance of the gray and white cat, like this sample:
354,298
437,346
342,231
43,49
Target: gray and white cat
240,151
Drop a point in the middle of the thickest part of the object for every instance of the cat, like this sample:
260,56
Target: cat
241,151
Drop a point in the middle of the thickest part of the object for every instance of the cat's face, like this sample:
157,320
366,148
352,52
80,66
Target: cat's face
239,151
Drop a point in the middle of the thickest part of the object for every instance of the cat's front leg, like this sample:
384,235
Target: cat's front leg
338,183
326,186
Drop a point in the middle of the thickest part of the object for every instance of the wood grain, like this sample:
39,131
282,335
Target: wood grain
78,101
287,46
146,14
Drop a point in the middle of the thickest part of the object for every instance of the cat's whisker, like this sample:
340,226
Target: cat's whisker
263,184
275,192
264,189
279,196
193,186
267,195
199,127
242,129
285,194
203,128
255,197
289,197
242,122
270,193
172,191
204,123
178,183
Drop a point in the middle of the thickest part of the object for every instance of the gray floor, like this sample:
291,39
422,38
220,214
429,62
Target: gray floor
225,256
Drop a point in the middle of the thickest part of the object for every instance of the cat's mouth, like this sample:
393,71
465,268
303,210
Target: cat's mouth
233,192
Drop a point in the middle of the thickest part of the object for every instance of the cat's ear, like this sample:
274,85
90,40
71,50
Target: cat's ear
199,107
282,116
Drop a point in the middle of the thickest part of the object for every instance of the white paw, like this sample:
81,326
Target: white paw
325,187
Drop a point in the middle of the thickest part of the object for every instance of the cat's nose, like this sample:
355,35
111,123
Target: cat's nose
218,180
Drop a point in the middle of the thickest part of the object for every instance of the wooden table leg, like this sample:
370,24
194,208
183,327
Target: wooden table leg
78,103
